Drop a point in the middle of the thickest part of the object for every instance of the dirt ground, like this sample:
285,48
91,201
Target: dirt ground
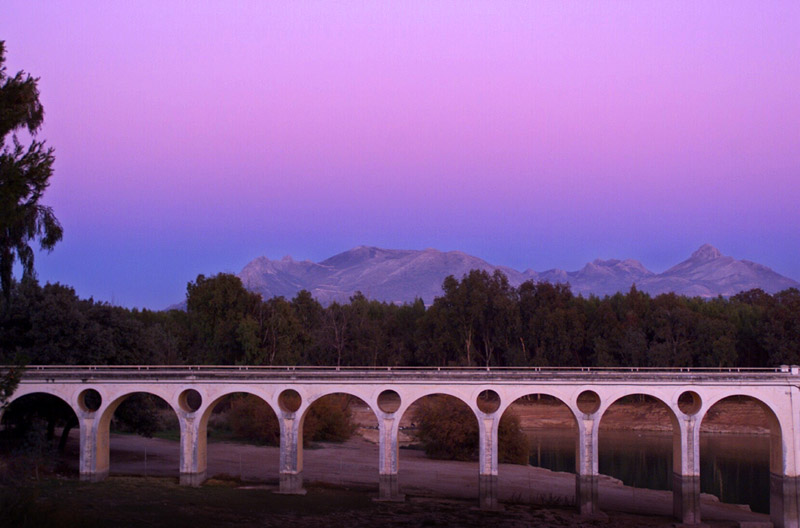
128,502
354,464
439,493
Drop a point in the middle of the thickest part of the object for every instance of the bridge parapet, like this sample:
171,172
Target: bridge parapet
158,373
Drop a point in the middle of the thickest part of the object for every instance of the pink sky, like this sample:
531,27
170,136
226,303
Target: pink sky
192,137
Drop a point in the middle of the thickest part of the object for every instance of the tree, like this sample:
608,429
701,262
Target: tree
216,307
24,176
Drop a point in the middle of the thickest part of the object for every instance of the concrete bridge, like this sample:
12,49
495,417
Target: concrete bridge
95,392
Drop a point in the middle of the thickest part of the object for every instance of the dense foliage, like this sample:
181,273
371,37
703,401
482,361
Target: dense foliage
448,429
478,320
24,176
328,420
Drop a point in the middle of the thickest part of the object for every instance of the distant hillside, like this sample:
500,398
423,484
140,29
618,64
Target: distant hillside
394,275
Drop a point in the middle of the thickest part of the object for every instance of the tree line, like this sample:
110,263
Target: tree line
479,320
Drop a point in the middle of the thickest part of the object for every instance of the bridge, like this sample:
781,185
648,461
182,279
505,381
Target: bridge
94,393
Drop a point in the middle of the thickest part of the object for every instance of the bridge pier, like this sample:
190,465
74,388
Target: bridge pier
487,459
784,501
193,457
93,458
291,453
686,473
586,478
388,484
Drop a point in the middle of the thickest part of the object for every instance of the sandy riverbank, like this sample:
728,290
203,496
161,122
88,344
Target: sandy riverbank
354,464
730,416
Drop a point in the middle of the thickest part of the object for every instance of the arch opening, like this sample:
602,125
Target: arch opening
239,436
337,417
740,451
636,442
588,402
689,403
289,401
190,400
89,400
39,436
347,420
488,401
389,401
142,433
540,431
439,427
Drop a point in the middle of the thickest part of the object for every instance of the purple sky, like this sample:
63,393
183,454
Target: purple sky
192,137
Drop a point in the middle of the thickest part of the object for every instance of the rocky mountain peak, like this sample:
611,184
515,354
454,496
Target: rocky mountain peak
401,275
706,252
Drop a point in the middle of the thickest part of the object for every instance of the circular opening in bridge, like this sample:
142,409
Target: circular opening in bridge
90,400
289,400
689,403
190,400
389,401
488,401
588,402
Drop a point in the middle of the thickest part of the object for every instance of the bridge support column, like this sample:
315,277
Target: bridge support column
487,453
193,450
388,485
784,501
291,456
93,457
586,478
686,472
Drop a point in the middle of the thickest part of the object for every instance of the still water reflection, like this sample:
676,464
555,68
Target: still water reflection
734,467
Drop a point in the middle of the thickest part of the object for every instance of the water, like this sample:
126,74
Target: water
734,467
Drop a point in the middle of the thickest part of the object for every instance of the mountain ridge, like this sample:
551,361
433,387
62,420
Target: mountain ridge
402,275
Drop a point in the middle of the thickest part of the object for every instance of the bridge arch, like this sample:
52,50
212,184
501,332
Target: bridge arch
548,407
111,400
194,427
50,417
409,398
778,443
445,401
681,454
210,401
782,484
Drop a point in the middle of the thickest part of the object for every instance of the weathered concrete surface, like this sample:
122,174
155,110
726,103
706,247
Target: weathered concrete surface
775,389
686,498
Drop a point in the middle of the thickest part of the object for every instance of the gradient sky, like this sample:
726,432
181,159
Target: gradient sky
192,137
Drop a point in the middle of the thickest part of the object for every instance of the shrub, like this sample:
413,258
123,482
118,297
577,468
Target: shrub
250,418
328,420
448,430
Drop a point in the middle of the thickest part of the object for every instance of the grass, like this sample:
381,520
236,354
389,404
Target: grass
135,501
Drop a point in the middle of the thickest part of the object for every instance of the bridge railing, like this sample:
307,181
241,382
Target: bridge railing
289,368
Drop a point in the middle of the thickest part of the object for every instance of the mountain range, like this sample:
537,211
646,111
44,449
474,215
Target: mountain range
401,275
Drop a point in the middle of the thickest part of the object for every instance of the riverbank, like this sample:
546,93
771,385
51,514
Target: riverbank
132,502
727,417
354,465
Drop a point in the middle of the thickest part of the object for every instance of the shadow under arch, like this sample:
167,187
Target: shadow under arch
754,478
144,414
447,428
240,415
36,427
648,458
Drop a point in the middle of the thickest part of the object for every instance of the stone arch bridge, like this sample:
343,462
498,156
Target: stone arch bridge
94,392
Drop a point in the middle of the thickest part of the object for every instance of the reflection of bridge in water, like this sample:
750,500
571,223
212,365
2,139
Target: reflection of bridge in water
94,393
